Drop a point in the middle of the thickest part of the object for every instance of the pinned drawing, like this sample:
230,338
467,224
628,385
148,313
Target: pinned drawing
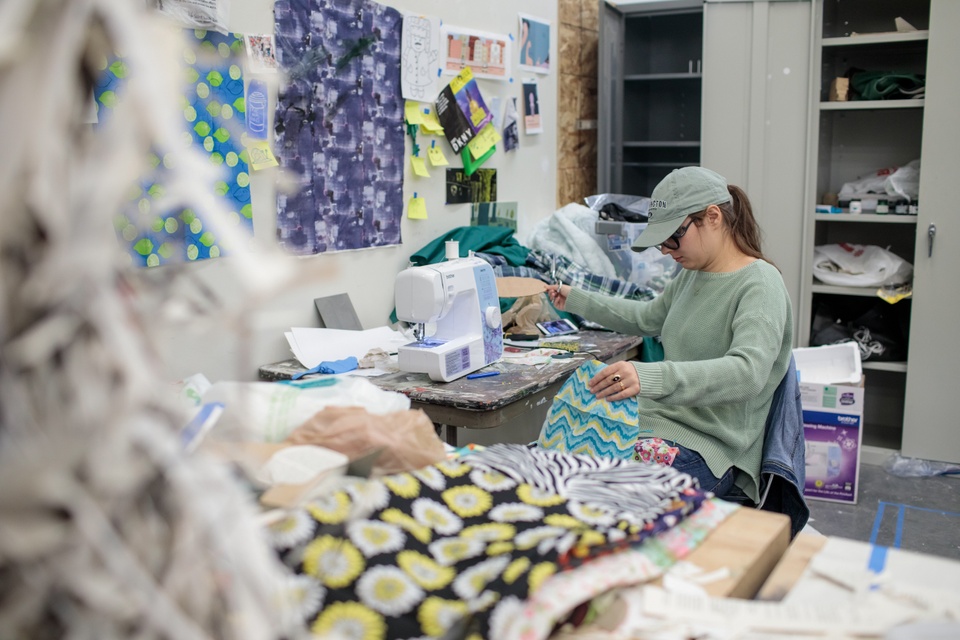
419,53
486,54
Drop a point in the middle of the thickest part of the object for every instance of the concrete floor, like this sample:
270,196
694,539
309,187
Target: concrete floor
916,514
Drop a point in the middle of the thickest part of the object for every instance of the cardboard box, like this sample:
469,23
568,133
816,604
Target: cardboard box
839,90
832,420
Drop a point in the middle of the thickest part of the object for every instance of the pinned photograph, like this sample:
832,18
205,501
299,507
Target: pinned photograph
534,44
531,108
261,53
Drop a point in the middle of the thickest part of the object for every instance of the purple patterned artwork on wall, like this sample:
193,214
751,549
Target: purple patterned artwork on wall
339,125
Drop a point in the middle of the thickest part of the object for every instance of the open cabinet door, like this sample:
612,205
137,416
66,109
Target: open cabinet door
610,100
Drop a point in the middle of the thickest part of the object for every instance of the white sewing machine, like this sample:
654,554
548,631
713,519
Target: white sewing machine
460,296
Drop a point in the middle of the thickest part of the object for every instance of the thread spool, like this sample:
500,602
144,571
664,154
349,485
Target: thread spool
451,249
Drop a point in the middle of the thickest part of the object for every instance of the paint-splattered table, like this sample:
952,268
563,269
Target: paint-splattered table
519,394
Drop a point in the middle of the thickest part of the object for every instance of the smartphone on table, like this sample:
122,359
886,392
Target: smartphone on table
560,327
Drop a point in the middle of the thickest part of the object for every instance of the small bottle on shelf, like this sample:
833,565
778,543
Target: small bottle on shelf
856,206
883,207
914,207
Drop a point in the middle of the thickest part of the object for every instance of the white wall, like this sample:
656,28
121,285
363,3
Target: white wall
227,350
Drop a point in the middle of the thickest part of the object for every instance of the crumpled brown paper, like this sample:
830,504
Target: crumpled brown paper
408,438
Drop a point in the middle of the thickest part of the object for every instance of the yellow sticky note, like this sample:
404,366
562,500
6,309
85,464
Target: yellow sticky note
436,156
412,113
431,124
482,142
417,209
261,156
419,167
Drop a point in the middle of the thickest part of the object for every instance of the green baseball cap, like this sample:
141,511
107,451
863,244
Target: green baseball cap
682,192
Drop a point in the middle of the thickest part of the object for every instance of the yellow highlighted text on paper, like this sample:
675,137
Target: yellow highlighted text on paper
436,156
261,156
417,209
419,167
483,141
465,76
412,113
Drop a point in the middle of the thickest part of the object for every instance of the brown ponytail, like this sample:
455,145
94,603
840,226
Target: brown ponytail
738,216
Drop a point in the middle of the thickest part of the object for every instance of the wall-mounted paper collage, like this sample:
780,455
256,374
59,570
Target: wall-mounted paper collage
488,55
420,58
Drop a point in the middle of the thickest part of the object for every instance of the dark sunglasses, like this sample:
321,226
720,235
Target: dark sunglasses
673,242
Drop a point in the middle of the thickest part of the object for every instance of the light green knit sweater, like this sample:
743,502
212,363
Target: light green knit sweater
727,340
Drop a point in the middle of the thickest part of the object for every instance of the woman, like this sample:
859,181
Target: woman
726,326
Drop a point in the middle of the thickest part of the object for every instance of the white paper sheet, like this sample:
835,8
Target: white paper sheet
420,58
311,346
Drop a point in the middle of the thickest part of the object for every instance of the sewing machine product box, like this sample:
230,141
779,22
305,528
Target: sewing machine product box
831,395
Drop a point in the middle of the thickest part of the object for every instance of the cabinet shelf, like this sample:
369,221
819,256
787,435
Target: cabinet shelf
644,77
893,218
895,367
662,143
665,165
876,38
864,105
832,289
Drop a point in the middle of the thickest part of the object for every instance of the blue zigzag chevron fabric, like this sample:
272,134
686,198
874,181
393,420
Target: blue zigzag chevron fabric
579,422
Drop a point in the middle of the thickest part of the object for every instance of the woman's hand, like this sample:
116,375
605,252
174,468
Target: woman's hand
558,295
616,382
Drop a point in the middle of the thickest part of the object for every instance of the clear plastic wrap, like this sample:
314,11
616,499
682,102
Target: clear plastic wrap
918,468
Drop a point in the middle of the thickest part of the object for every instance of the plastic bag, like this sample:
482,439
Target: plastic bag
203,14
905,181
916,468
855,265
268,412
618,206
875,183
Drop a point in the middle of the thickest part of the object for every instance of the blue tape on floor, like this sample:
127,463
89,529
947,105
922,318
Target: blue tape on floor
898,537
878,554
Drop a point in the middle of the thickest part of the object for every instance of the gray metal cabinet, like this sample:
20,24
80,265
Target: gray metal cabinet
908,402
931,429
756,83
649,93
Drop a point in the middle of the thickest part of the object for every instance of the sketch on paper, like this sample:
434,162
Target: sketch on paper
419,58
214,120
339,125
486,54
531,108
534,44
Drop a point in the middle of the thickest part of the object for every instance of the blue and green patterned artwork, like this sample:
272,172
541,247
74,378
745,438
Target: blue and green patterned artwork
213,113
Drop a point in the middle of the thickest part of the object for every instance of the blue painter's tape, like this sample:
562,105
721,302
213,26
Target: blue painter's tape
899,535
511,36
878,559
